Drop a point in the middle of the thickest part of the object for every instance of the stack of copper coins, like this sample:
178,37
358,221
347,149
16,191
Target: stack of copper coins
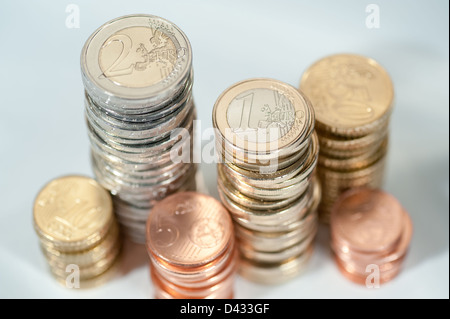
73,217
137,74
190,241
370,233
268,153
352,97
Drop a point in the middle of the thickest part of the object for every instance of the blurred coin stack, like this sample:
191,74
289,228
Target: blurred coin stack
370,233
137,74
268,153
73,217
352,97
190,241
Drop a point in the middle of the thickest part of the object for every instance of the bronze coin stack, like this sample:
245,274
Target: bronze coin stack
268,152
74,220
370,233
190,241
352,97
137,74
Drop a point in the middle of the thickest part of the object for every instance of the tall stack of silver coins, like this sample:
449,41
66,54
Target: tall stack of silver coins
137,75
265,139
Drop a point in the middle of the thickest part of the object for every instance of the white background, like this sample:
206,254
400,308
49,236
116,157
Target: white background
43,134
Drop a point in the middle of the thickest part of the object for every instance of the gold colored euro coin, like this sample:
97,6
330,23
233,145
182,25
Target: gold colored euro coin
73,213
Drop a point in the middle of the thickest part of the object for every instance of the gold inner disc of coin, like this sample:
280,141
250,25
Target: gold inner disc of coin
347,90
72,209
188,229
137,57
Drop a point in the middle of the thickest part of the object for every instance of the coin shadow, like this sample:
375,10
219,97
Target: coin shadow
133,256
322,247
208,180
423,192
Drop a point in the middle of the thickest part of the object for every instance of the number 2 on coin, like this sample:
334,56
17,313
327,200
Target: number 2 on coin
126,43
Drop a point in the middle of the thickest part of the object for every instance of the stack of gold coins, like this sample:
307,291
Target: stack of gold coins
352,97
73,217
370,233
190,241
137,74
268,152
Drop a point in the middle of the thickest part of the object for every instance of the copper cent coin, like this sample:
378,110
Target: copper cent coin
368,220
188,229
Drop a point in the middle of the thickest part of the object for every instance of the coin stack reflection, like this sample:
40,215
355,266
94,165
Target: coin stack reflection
190,241
352,98
268,152
139,109
370,233
73,217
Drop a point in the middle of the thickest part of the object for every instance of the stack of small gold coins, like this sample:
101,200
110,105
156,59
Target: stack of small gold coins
265,140
73,217
352,97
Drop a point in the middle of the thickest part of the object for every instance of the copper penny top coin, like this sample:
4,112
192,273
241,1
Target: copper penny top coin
72,211
262,115
348,91
398,252
368,220
188,229
136,57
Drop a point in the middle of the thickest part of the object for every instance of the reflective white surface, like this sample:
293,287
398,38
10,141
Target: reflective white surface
44,134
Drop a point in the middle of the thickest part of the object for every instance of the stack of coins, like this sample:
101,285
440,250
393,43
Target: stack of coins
352,98
73,217
370,234
191,245
268,153
137,74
